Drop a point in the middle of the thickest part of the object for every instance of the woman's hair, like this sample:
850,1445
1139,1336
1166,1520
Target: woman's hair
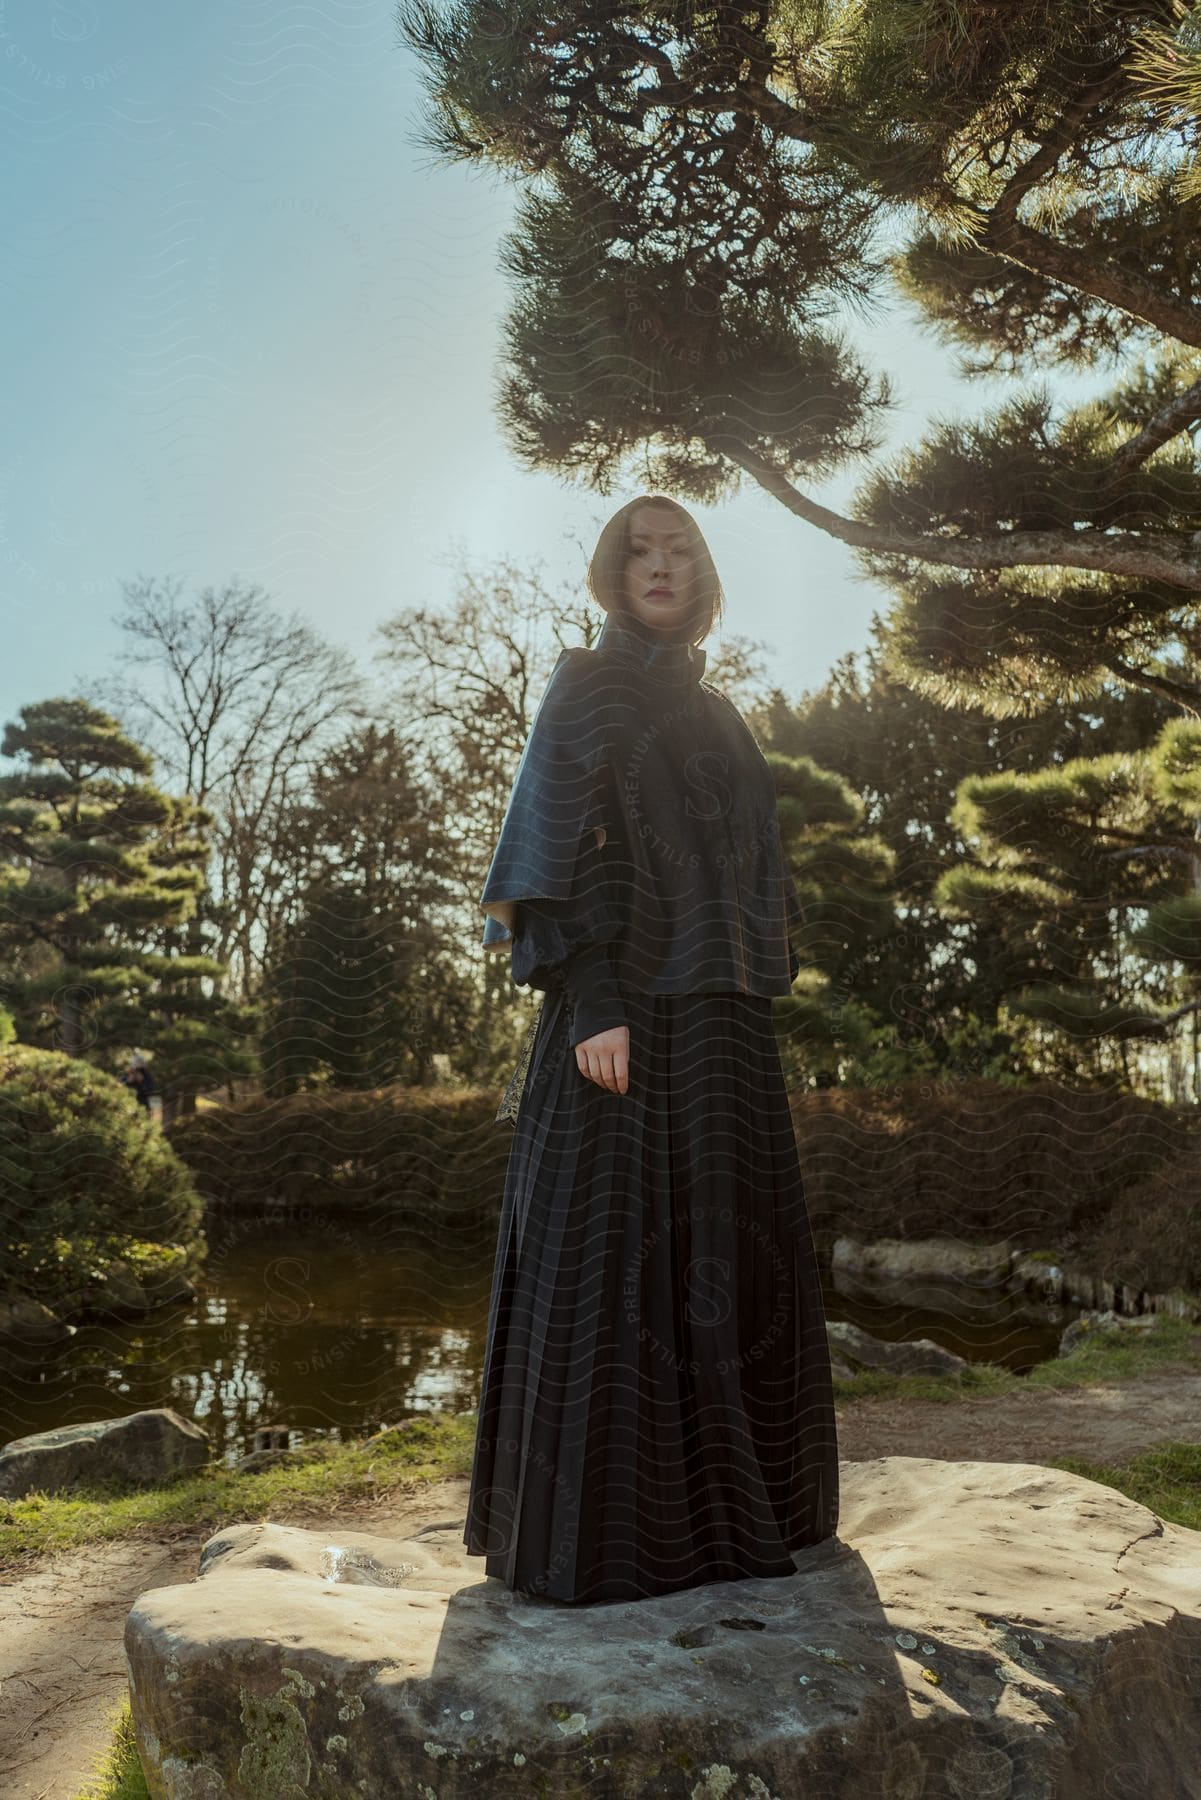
606,571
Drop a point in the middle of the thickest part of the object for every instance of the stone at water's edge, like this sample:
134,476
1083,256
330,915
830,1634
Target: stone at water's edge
29,1322
977,1631
144,1447
850,1345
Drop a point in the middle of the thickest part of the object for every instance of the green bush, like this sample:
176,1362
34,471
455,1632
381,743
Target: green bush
1040,1165
87,1181
396,1151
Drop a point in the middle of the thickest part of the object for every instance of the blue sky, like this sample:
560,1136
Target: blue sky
252,331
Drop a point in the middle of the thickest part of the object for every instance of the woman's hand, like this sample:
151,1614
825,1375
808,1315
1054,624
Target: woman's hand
605,1058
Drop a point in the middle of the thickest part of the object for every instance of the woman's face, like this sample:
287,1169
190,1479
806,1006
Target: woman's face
660,573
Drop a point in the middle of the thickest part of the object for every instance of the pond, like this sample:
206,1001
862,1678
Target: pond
336,1326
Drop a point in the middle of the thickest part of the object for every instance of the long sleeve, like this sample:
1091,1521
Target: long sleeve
565,943
794,919
587,975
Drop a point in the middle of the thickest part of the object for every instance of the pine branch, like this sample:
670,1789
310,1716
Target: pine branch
1181,1012
1008,236
771,110
1180,412
1062,136
1146,556
1185,694
1054,261
1165,852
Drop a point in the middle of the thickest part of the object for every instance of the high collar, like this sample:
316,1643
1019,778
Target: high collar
666,659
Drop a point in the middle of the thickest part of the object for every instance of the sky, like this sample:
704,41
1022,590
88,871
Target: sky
252,332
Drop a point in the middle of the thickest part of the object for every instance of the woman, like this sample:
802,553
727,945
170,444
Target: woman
656,1405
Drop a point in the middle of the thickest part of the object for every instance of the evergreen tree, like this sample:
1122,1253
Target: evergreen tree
1064,859
706,188
948,969
100,869
364,987
335,1010
843,881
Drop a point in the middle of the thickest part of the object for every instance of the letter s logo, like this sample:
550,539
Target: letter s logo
298,1303
73,25
717,1299
707,785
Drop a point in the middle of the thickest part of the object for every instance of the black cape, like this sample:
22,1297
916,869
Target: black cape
642,794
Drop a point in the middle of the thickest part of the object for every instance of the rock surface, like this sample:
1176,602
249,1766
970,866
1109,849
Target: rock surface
143,1447
1104,1324
26,1321
930,1273
980,1631
853,1349
944,1274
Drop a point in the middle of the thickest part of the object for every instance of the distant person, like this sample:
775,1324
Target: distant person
138,1077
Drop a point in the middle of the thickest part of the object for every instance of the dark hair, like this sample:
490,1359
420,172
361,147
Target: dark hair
606,571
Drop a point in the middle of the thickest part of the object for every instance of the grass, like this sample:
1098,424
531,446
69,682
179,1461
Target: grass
118,1774
1099,1358
330,1476
433,1447
1167,1479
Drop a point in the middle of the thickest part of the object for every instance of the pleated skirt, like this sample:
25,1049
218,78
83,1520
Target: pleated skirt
656,1408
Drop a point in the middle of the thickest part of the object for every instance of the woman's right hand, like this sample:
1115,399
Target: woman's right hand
605,1058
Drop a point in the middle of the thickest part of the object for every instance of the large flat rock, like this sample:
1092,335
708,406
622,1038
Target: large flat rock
144,1447
981,1631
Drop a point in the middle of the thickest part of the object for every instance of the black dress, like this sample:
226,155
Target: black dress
656,1407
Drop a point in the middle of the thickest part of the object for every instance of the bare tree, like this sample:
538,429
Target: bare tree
466,682
241,704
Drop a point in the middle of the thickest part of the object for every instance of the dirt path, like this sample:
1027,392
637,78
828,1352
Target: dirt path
1099,1424
62,1663
62,1656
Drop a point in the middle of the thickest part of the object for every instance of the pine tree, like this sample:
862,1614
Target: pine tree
953,968
363,988
705,190
100,869
1064,858
843,880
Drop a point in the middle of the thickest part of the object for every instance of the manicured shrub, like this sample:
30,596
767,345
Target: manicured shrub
1040,1166
420,1152
91,1192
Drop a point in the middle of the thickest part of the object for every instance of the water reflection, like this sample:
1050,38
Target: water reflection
335,1326
975,1327
330,1326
